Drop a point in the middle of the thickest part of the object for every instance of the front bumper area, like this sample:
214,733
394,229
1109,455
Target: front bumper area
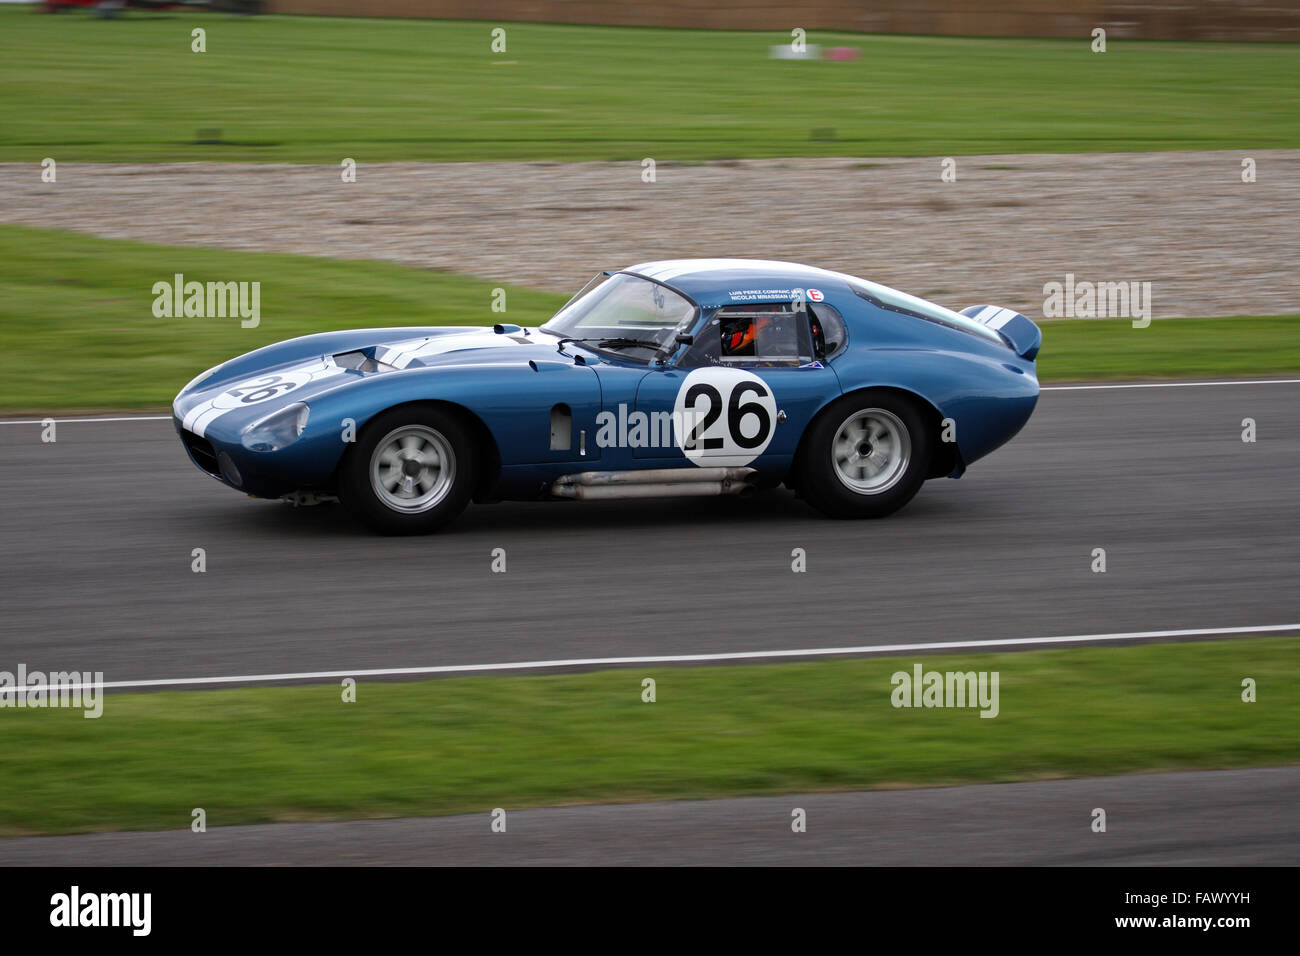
235,466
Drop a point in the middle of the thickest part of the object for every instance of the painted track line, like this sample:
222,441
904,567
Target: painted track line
1115,385
674,658
66,421
1044,388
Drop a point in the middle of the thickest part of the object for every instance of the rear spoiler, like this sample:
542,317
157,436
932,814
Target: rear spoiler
1018,332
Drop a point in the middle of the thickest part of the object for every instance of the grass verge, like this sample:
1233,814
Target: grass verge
79,333
318,89
470,744
1076,350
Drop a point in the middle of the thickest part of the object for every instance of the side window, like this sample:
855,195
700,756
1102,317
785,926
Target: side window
762,336
828,333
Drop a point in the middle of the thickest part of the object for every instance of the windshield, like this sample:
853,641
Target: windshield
623,307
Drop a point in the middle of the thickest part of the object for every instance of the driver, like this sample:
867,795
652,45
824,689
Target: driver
739,339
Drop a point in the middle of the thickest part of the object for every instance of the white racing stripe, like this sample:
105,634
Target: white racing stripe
1002,318
993,316
665,270
200,416
248,392
402,354
685,658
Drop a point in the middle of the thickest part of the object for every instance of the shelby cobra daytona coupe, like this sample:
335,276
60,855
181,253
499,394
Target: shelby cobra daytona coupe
686,377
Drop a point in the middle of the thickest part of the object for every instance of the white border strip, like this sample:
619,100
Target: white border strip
1088,388
1044,388
672,658
63,421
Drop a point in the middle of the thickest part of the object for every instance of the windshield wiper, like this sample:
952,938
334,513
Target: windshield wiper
614,342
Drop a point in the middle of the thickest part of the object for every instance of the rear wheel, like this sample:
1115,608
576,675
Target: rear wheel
866,456
412,471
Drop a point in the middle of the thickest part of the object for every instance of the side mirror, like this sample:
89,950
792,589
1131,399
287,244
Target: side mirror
661,357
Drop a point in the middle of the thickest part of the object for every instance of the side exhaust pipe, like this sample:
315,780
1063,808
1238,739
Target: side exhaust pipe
654,483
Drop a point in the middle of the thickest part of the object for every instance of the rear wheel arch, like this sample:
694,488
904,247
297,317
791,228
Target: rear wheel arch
943,455
867,453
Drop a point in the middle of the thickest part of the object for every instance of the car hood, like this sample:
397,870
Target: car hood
245,390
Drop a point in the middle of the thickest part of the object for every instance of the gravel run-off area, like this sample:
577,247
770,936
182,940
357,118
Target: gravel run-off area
1209,243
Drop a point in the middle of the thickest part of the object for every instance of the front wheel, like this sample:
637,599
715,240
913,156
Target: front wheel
865,456
411,472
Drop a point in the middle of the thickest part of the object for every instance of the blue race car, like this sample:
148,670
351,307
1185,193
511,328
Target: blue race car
684,377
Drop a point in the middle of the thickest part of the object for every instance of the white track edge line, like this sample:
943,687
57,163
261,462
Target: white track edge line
1045,388
1115,385
667,658
68,421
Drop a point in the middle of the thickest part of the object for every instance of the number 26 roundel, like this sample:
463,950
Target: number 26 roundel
723,416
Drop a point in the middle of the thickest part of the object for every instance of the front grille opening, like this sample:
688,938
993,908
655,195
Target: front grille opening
202,452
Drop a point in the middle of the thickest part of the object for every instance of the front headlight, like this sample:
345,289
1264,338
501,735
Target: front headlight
276,430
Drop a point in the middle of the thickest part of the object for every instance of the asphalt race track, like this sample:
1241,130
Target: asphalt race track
1220,818
1201,530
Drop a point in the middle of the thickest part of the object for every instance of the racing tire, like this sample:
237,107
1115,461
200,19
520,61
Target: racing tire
412,470
865,456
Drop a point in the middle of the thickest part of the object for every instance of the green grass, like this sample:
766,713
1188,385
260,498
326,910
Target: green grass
1237,347
471,744
79,333
321,89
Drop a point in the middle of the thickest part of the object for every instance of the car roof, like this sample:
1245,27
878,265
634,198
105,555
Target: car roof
720,282
704,279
